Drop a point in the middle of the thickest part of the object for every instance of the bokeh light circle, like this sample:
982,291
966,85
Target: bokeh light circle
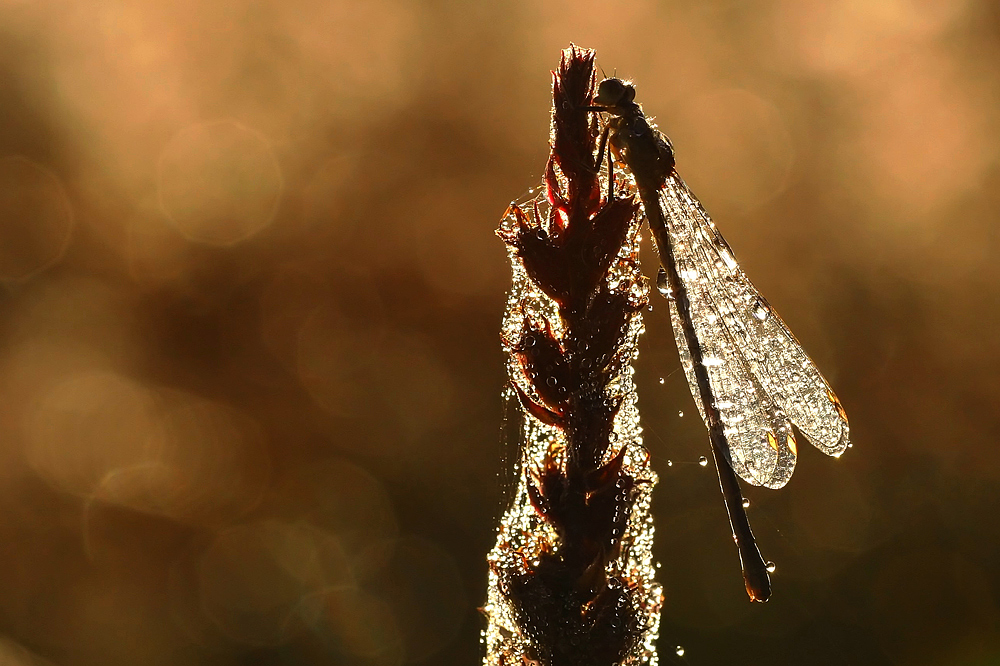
219,182
735,145
36,219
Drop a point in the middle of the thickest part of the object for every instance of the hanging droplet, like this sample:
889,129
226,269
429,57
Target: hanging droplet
680,414
770,567
679,650
661,380
663,284
670,463
703,461
746,503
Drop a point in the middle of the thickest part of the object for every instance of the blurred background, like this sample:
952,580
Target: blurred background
250,366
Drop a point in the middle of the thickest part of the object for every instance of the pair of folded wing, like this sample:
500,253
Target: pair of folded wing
762,379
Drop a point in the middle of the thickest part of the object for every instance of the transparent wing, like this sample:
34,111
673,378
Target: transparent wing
761,377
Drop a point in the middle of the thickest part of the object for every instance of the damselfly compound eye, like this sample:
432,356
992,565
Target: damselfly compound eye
613,92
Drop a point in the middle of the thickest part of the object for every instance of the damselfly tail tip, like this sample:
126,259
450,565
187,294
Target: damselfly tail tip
758,585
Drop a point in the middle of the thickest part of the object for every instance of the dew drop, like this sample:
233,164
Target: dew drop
679,650
746,503
661,380
670,463
770,567
703,461
680,414
551,381
663,284
760,311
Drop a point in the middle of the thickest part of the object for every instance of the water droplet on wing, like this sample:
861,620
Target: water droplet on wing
760,311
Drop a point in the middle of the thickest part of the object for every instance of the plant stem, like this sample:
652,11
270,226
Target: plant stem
571,575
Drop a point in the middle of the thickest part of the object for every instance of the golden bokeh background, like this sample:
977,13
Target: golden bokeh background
250,366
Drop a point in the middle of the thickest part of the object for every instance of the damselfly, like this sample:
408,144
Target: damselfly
748,374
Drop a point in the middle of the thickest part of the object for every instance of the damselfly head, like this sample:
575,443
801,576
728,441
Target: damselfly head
614,92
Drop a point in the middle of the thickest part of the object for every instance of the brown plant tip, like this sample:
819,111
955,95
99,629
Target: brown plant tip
574,136
571,251
574,597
